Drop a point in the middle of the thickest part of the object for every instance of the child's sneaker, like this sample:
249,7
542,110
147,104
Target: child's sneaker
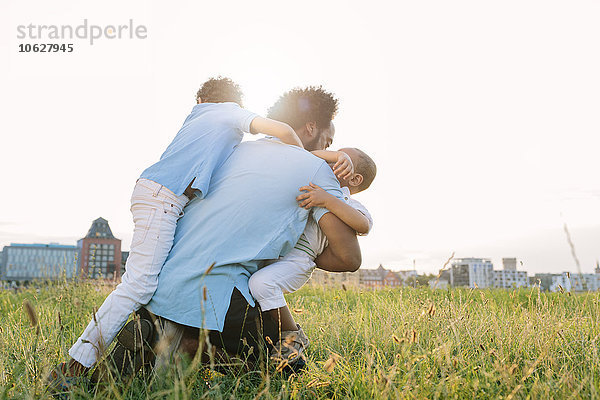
291,346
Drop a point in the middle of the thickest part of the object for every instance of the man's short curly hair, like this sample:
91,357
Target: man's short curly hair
301,105
220,90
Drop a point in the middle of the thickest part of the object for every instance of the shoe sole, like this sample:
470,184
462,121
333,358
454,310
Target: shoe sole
136,334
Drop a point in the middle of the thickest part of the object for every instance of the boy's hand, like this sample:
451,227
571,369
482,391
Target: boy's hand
315,196
343,167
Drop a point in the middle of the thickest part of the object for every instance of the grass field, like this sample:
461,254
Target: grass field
402,343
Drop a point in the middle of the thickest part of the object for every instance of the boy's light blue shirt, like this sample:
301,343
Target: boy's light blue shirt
249,215
203,143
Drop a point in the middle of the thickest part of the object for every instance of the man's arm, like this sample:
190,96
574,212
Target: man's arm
343,252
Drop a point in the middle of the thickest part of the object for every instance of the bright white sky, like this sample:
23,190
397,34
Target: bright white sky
483,117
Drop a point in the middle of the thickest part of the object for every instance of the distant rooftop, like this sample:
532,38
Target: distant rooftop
43,245
471,259
100,229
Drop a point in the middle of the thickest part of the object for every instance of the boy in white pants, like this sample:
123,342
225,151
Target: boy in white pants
209,134
291,272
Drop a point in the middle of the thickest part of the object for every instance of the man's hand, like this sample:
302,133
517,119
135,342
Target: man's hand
343,167
314,196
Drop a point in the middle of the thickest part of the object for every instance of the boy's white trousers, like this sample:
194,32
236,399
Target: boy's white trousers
290,273
155,212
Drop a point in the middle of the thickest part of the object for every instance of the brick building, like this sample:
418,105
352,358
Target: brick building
381,277
372,278
100,252
391,279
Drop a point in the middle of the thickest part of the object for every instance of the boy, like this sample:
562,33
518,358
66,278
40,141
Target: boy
291,272
207,138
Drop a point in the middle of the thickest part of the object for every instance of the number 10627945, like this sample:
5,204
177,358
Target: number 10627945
45,48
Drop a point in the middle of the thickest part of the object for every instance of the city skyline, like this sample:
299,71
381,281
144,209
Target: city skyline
517,264
499,254
98,255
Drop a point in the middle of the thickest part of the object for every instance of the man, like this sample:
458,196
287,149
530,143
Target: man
208,136
250,215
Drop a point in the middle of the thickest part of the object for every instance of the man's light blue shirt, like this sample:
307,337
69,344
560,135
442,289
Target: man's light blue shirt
207,137
249,215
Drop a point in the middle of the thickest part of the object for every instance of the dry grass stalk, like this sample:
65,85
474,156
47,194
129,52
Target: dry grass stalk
398,340
31,314
268,340
414,336
331,362
431,310
444,267
209,269
282,364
